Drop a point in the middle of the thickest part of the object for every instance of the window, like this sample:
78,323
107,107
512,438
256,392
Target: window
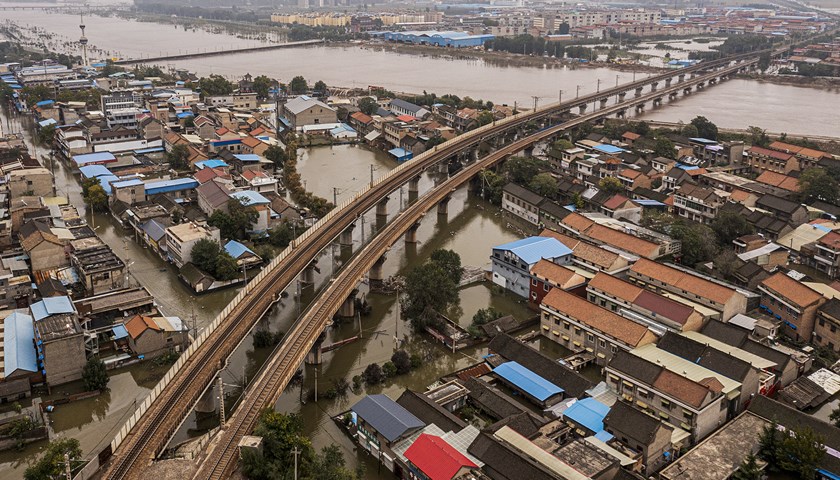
666,404
534,282
566,325
546,287
602,343
590,338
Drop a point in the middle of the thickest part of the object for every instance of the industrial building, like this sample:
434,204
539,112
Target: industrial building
439,39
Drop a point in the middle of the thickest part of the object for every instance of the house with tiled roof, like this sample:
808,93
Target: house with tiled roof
760,159
778,180
522,202
641,432
633,179
697,203
782,209
792,302
582,326
694,402
546,275
807,157
45,249
588,256
150,337
581,226
434,459
658,277
379,423
659,312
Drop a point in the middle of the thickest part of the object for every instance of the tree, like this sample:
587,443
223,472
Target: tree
368,106
178,157
94,375
204,254
236,222
544,184
492,185
758,136
276,155
283,234
749,469
46,135
51,463
690,131
215,85
726,262
834,417
610,185
226,267
817,184
373,374
450,262
768,445
705,128
800,452
729,225
764,61
642,128
298,85
562,144
389,369
430,289
699,242
664,148
262,85
320,87
96,198
401,361
485,117
521,170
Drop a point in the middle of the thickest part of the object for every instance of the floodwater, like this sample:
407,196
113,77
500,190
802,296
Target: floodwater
777,108
471,228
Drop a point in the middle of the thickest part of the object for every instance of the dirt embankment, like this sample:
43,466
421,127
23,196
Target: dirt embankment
795,80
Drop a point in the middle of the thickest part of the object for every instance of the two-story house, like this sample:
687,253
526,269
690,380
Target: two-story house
792,302
512,262
697,203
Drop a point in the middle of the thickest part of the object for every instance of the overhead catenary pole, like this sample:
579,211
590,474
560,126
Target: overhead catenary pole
296,452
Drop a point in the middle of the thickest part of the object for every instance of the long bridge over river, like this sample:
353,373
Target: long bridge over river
214,53
147,433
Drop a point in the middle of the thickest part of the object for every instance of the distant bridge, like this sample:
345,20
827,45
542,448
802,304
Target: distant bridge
188,56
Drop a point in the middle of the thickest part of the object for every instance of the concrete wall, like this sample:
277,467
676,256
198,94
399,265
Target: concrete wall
64,359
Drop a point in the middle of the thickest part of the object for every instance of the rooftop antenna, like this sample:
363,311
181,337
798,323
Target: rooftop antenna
83,41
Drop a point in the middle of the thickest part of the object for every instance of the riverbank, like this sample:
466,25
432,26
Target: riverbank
823,83
500,59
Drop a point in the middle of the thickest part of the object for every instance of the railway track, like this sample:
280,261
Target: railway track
282,364
151,427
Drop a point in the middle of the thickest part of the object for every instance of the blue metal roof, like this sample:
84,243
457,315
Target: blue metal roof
154,230
249,197
588,412
119,331
105,182
93,171
649,203
532,249
149,150
604,436
47,122
98,157
527,381
401,153
185,115
236,249
704,141
51,306
19,344
247,157
386,416
606,148
127,183
212,163
44,103
174,185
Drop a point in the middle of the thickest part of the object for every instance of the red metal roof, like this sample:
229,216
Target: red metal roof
436,458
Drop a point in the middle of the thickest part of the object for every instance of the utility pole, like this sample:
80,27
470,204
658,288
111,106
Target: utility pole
397,322
616,80
359,316
598,89
67,472
296,452
536,98
316,383
335,196
560,97
577,94
371,175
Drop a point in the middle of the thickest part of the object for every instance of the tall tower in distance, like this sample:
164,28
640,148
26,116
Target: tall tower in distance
83,41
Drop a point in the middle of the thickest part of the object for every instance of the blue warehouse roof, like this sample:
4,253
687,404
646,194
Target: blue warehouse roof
532,249
527,381
175,185
588,412
606,148
105,182
51,306
93,171
19,344
386,416
212,163
247,157
236,249
127,183
249,197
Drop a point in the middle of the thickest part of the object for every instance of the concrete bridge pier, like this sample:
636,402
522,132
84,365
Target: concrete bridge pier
207,402
657,101
411,234
681,78
639,91
582,109
315,355
621,96
603,102
346,237
640,107
653,86
307,277
687,91
621,113
443,206
348,308
668,82
672,96
375,275
693,74
701,86
382,208
414,185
